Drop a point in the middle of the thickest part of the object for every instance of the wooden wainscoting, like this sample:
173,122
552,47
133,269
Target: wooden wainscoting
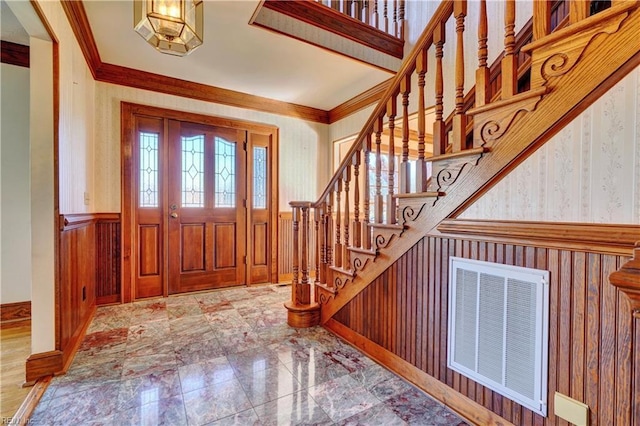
401,318
285,241
89,271
108,274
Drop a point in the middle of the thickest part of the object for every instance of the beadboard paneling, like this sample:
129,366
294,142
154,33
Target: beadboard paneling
591,329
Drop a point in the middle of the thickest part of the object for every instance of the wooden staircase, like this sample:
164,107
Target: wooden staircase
569,69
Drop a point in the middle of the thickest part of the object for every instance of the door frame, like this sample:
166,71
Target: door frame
128,112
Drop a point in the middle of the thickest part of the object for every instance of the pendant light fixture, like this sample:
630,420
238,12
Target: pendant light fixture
171,26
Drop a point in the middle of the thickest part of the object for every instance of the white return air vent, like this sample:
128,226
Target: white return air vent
498,328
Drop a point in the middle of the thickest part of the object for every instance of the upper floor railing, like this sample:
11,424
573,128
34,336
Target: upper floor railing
385,15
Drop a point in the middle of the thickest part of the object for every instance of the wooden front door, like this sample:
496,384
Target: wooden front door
207,214
198,210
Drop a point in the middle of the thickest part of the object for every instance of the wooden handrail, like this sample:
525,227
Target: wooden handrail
345,242
443,12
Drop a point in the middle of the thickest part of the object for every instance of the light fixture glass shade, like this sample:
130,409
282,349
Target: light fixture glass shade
171,26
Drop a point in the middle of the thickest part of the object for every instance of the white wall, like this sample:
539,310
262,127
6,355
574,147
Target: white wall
15,178
589,172
304,163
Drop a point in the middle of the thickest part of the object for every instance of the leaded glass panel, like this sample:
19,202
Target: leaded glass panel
225,173
259,177
148,186
193,171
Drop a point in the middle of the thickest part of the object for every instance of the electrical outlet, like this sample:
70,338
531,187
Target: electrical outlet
84,293
87,199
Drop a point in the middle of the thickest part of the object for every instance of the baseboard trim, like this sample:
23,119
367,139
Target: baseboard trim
470,410
74,344
44,364
30,403
15,314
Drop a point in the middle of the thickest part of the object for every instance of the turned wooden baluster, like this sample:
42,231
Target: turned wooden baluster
337,252
328,228
296,248
367,194
396,27
541,19
357,236
391,201
459,119
376,15
401,12
378,203
482,73
317,219
346,263
304,251
439,144
405,167
421,166
385,16
366,18
578,10
509,61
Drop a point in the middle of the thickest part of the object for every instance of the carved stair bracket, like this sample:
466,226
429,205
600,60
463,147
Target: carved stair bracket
558,56
492,121
627,279
324,294
384,234
411,212
447,169
360,257
341,277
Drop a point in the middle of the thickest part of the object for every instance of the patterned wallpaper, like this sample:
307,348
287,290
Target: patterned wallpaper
589,172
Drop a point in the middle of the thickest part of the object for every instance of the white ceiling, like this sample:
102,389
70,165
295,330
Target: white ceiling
12,30
236,56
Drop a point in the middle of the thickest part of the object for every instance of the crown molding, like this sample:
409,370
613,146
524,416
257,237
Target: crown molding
358,102
115,74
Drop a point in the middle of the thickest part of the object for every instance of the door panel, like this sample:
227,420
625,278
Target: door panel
206,218
149,214
197,202
259,201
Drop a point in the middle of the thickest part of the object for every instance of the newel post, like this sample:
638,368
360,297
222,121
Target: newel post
627,279
302,311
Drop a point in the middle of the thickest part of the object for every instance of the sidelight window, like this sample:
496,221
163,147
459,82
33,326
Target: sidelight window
225,173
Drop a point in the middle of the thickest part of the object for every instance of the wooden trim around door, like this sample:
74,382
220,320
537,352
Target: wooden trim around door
128,113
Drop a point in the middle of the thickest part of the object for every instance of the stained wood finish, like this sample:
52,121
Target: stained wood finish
108,265
15,314
115,74
358,102
77,287
15,347
44,364
206,245
212,240
31,401
591,335
14,54
285,236
335,22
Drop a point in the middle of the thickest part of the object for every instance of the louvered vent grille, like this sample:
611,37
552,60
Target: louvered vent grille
498,328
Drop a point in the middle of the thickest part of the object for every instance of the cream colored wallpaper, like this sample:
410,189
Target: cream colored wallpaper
304,163
76,116
589,172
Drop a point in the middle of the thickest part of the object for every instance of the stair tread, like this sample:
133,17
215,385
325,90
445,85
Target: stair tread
371,252
341,270
388,226
428,194
460,154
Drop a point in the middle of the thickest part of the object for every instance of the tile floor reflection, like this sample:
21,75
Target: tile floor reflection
225,358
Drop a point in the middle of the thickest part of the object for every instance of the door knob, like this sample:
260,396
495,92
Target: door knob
174,215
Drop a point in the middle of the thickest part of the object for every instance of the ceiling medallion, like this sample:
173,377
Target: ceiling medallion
172,27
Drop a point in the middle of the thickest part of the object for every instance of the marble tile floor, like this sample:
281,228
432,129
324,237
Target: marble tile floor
225,358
